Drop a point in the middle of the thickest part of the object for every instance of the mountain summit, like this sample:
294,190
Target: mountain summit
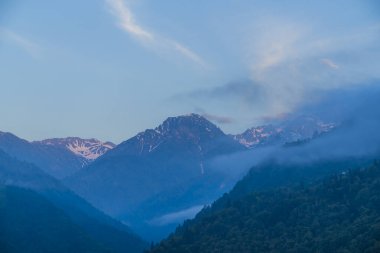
89,149
191,134
186,125
155,172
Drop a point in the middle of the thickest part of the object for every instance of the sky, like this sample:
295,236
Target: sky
111,68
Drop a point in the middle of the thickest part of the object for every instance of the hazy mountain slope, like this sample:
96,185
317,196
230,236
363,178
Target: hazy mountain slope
29,223
26,175
56,161
340,214
157,168
96,224
271,174
59,157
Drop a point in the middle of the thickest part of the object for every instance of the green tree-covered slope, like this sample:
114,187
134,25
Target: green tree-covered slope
339,214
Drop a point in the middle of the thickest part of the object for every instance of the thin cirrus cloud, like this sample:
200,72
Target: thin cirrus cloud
329,63
188,53
128,23
21,42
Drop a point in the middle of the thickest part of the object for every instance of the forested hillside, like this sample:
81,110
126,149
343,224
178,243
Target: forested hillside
338,214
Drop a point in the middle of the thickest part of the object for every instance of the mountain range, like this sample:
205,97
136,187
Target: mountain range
158,172
154,180
58,157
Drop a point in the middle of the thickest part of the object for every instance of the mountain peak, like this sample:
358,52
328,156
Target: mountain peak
188,124
7,134
9,138
90,149
185,133
290,130
258,135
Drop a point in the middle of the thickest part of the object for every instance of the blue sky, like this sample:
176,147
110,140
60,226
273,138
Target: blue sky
111,68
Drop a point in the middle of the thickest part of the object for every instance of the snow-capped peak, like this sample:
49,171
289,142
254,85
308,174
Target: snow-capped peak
90,149
291,130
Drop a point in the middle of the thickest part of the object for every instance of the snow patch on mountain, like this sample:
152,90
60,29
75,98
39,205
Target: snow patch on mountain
89,149
297,129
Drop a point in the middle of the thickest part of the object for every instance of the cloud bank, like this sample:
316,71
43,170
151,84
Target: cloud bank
357,137
290,65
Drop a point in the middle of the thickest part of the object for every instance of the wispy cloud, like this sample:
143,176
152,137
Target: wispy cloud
245,90
292,48
329,63
272,46
22,42
242,101
292,65
188,53
218,119
128,23
289,60
176,217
